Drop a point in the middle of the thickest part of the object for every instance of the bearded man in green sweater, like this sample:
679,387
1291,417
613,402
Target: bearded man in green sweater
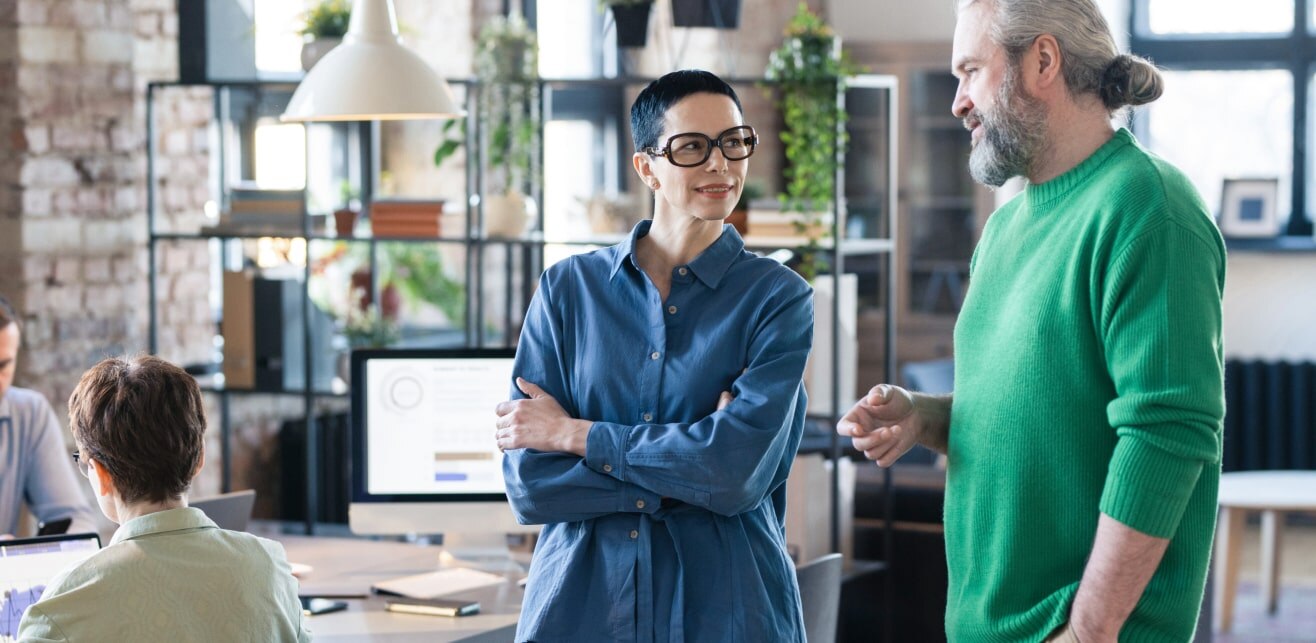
1084,433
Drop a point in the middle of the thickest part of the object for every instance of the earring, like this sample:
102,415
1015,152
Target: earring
654,184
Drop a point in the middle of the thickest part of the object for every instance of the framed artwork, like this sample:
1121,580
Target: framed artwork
1247,208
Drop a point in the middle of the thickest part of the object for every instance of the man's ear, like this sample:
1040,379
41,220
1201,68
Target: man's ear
1047,59
200,464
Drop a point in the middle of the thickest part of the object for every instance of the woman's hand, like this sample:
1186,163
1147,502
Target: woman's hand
539,423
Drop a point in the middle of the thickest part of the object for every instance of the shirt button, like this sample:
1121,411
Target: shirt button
634,534
648,417
671,310
653,355
639,504
607,468
682,271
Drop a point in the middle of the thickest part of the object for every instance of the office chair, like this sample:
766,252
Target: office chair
820,597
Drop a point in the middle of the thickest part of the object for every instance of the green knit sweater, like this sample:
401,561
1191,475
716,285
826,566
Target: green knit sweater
1088,380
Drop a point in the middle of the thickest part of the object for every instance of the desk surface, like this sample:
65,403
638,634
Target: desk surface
347,567
1274,490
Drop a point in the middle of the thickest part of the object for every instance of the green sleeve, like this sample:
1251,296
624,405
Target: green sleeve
1161,328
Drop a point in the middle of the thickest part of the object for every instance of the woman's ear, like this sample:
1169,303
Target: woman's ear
643,165
104,483
200,464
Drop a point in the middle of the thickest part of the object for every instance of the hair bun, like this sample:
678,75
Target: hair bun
1130,80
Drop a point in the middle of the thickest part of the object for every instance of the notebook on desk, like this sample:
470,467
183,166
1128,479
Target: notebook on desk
437,583
27,565
230,511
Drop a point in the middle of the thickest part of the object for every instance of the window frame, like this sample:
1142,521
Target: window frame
1294,51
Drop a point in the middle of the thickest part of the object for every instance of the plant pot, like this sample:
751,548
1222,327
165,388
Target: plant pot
345,222
718,14
507,215
739,219
314,50
632,22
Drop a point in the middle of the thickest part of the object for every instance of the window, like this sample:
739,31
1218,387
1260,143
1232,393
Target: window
1239,77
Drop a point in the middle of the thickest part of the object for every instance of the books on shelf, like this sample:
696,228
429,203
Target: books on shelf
781,224
406,218
256,210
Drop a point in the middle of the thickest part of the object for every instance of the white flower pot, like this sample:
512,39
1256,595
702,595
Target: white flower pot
507,215
314,50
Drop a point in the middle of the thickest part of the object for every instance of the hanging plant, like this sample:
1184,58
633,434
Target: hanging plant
807,72
508,68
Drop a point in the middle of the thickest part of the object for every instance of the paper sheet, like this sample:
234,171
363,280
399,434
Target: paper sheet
438,583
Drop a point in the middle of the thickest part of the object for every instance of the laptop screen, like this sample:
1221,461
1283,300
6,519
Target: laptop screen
27,565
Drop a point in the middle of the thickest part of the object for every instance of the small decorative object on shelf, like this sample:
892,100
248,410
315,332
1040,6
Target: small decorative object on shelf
809,72
718,14
1248,208
507,66
349,209
326,24
631,18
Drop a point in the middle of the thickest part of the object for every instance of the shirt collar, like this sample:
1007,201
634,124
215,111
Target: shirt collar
183,518
710,266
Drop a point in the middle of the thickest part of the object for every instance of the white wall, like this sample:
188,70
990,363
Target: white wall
1270,306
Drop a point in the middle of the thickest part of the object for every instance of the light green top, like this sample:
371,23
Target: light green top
172,576
1088,380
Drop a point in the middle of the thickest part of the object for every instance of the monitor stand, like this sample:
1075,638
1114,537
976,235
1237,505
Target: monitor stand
484,551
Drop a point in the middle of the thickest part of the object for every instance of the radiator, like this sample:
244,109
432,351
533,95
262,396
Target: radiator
1270,415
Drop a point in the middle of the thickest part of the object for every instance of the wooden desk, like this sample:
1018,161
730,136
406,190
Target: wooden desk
348,566
1274,494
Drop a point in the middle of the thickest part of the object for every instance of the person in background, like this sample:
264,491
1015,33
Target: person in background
169,574
34,460
662,405
1084,432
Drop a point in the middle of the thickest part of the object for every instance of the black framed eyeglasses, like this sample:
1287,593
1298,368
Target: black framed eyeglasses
81,463
693,149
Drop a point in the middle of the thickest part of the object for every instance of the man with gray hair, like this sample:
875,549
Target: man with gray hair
35,467
1084,432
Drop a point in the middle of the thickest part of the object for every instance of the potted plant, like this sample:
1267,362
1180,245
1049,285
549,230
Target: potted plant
631,18
806,74
325,26
508,71
349,209
718,14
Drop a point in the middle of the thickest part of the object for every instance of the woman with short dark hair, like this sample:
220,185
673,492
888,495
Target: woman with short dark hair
169,574
662,501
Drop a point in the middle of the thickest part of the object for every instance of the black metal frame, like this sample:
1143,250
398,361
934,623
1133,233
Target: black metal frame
1295,52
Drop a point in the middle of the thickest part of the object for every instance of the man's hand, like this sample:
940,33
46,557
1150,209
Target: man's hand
885,424
539,423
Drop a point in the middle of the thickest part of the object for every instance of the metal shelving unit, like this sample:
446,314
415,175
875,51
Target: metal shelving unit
879,248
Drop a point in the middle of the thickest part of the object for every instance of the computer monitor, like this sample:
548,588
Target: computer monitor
424,458
28,565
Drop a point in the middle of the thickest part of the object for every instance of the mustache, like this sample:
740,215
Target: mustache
972,119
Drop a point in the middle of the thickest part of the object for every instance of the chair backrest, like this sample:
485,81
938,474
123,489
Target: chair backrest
820,596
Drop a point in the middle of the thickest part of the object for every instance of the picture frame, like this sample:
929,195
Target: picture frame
1248,208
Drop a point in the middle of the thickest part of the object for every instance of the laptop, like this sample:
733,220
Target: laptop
230,511
27,565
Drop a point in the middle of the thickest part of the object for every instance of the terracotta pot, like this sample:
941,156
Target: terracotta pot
739,218
344,222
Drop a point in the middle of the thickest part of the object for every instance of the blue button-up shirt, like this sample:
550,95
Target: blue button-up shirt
672,527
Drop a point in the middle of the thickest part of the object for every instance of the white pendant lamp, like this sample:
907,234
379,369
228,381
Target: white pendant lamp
371,76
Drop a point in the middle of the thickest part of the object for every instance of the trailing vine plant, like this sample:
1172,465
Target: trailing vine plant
805,75
508,69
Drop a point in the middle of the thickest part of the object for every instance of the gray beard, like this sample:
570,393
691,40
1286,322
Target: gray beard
1013,133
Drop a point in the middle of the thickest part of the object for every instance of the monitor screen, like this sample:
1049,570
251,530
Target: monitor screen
28,565
423,432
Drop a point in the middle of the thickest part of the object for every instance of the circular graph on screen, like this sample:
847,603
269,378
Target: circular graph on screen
402,392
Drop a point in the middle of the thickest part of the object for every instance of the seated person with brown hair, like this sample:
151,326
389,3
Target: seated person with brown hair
169,574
